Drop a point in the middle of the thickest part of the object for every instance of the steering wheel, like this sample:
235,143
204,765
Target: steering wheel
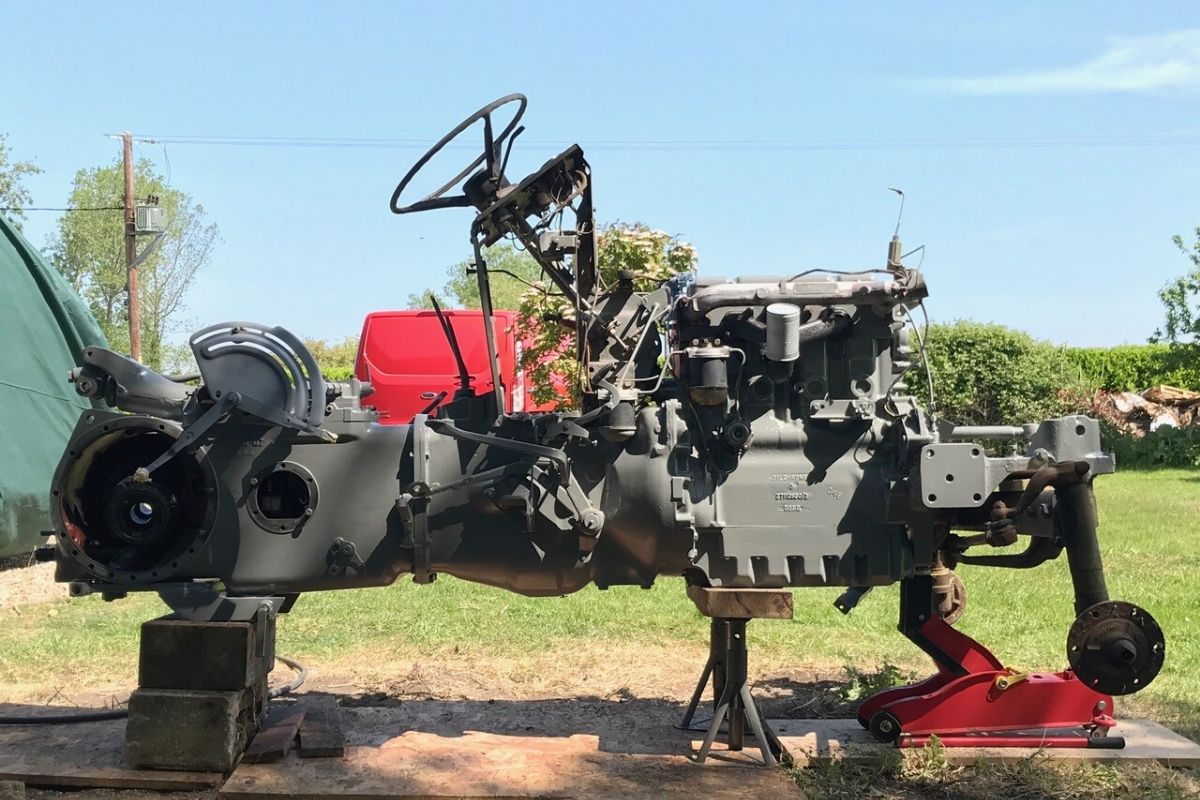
490,154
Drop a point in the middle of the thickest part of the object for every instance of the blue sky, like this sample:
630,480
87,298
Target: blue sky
1069,155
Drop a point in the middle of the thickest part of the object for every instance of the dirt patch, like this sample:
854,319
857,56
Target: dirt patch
598,670
23,585
602,671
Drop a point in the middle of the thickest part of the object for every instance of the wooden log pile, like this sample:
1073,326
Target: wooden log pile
1140,413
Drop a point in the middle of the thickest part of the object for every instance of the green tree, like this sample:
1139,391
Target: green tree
1179,299
461,289
548,318
335,357
14,197
89,250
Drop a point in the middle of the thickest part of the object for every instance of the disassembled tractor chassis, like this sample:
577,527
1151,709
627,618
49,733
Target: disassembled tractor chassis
756,432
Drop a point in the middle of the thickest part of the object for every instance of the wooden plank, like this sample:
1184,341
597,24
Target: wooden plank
819,741
321,731
742,603
83,756
278,733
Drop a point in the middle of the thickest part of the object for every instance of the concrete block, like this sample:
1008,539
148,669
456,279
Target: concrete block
184,729
208,656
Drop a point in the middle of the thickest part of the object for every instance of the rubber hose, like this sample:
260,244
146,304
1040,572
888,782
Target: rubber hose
121,713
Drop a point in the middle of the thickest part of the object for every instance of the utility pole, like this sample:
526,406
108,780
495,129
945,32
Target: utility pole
135,317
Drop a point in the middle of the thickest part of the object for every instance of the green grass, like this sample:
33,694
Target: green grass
927,775
1150,532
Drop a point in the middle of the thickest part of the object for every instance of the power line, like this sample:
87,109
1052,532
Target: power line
76,208
700,145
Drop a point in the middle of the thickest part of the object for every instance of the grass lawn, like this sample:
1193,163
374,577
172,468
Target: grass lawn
1150,534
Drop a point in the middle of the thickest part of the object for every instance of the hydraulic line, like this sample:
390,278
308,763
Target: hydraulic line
121,713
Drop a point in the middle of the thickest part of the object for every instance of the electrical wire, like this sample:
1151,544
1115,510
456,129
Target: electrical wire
824,271
77,208
121,713
694,145
918,249
922,337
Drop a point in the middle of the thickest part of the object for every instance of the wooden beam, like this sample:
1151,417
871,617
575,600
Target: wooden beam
321,731
742,603
277,735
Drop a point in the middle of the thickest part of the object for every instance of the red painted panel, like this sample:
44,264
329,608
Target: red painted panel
405,357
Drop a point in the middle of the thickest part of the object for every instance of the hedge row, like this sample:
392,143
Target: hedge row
1134,367
338,373
993,375
990,374
1165,447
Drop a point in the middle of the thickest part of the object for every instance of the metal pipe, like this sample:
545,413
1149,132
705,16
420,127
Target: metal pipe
1038,552
489,331
709,298
987,432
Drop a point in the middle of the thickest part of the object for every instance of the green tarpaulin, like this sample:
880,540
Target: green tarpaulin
43,328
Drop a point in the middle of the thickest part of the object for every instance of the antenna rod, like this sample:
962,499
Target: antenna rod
895,249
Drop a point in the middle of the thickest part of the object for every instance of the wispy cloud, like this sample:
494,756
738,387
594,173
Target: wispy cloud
1162,62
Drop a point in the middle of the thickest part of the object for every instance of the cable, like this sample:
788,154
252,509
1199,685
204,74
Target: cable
296,682
690,145
121,713
66,719
824,271
78,208
921,340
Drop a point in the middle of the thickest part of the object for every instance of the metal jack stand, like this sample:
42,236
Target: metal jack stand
730,610
726,667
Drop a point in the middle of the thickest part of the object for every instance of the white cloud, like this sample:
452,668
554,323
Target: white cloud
1161,62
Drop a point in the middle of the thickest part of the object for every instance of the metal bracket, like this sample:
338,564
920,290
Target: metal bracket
343,557
190,434
203,602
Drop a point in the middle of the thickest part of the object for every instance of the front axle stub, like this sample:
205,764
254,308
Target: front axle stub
1115,647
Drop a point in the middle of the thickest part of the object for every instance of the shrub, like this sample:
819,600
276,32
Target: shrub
340,373
1135,367
335,357
992,375
1160,449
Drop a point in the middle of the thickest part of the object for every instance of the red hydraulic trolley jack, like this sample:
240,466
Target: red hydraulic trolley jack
975,701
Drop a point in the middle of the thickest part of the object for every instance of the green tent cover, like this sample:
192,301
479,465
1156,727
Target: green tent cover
44,327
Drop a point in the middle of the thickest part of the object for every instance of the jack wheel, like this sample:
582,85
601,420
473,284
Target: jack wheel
884,726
